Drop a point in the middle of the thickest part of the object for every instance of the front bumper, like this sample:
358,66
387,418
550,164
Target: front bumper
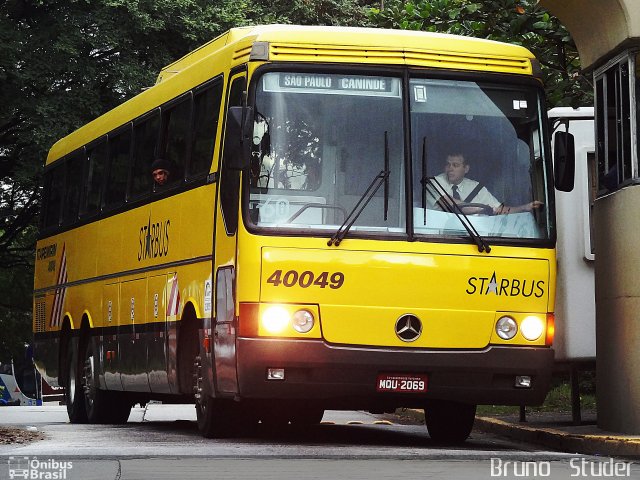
340,376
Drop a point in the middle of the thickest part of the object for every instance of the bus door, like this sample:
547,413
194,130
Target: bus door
224,335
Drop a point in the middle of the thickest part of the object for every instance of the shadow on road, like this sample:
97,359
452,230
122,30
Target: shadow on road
372,435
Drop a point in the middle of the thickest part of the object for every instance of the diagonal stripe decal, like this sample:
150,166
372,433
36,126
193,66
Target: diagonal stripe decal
173,305
61,292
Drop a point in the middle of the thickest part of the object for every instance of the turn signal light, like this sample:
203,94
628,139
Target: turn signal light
551,329
248,319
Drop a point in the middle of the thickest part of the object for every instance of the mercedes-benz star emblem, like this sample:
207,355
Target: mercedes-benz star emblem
408,328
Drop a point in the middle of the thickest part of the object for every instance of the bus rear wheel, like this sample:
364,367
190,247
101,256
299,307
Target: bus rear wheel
449,422
73,395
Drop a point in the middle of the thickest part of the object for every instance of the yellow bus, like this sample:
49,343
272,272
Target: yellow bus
309,250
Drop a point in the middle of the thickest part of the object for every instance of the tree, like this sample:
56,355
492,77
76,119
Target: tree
313,12
520,22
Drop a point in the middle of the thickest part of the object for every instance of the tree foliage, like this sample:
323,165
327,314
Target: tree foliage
520,22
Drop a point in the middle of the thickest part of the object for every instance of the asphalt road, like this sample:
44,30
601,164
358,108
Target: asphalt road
162,442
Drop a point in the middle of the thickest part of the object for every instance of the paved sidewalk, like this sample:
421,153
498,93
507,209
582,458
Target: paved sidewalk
556,431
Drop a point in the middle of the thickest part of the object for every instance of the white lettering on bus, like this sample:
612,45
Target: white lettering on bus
309,81
292,81
364,84
317,82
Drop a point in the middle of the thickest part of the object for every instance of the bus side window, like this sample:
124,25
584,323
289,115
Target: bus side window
206,109
230,179
54,185
176,121
119,154
97,160
145,144
73,187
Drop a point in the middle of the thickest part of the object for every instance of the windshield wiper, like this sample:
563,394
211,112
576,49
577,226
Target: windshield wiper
449,203
380,179
424,179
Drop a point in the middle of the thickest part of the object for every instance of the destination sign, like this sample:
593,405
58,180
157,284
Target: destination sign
331,83
335,82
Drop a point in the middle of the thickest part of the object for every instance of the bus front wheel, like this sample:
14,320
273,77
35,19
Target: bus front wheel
216,417
449,422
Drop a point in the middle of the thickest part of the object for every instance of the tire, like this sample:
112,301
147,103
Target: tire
449,422
216,417
101,406
73,392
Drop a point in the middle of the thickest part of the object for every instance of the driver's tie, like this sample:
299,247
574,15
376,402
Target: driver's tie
456,195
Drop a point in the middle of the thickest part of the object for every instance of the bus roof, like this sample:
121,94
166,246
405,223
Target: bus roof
291,43
340,37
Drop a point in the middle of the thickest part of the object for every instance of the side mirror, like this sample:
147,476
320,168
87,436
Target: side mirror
237,138
564,156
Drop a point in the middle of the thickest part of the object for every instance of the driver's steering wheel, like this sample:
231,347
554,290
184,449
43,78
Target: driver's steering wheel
475,208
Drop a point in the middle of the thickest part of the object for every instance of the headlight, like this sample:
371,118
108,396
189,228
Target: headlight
506,328
275,319
303,321
532,327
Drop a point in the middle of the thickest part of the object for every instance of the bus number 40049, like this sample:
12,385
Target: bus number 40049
306,279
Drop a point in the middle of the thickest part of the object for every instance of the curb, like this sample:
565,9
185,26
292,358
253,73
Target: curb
606,445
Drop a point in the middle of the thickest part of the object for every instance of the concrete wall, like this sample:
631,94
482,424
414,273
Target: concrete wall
618,310
597,26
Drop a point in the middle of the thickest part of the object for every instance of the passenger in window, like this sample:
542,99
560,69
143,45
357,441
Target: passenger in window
473,197
161,171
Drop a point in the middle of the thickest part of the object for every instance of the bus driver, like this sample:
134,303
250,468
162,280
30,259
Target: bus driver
464,190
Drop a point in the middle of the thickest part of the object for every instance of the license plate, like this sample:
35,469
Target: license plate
401,383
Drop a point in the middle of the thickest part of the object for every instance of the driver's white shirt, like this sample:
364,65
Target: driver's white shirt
465,187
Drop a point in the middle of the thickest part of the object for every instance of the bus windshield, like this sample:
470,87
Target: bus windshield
320,140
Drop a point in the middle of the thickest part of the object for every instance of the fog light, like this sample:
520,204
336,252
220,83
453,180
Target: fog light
275,319
303,321
275,373
531,328
506,328
523,381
